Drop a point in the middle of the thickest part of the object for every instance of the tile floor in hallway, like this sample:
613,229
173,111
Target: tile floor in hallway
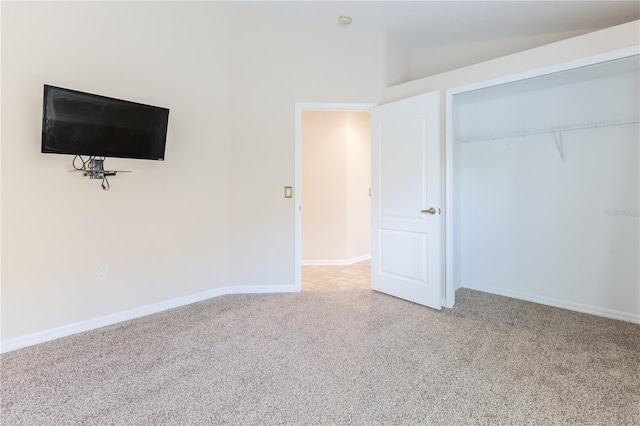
337,278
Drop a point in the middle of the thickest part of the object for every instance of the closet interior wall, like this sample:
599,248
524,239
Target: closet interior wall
546,190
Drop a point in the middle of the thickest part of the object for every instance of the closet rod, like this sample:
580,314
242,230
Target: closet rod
632,119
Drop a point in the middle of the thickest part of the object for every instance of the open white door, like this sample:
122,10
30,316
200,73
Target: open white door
405,199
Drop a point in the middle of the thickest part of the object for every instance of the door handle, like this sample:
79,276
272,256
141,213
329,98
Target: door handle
432,210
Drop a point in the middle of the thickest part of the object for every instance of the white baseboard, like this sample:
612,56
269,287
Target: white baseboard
338,262
558,303
94,323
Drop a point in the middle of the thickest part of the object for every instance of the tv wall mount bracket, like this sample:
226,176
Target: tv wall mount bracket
94,168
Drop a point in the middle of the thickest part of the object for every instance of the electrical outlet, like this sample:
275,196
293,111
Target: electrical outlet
102,273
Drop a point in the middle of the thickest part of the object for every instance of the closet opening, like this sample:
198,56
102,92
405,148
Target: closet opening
543,188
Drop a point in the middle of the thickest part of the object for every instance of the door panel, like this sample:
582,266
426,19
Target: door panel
403,266
401,168
406,246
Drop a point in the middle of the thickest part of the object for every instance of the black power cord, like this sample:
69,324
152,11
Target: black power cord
105,181
84,163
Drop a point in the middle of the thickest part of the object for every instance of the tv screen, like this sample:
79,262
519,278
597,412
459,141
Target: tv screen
85,124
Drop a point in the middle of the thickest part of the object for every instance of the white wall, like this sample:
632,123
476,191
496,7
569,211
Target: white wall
279,63
399,60
534,226
324,189
358,217
614,38
428,61
153,229
213,214
336,176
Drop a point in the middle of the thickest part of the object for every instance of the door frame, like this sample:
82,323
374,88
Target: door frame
297,192
450,284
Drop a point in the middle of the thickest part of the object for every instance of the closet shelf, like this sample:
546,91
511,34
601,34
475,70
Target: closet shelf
630,119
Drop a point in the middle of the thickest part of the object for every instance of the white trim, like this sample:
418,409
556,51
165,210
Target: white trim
323,106
297,197
449,93
558,303
336,262
449,290
299,107
94,323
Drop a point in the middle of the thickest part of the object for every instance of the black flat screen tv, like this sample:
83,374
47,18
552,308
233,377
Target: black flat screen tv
81,123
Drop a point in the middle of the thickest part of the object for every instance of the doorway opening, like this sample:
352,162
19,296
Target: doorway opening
333,204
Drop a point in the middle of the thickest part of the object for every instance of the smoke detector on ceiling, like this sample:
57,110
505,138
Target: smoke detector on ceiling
344,20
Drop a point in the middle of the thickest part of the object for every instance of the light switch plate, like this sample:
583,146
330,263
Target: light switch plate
288,192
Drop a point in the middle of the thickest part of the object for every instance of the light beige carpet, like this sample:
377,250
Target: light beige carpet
333,358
